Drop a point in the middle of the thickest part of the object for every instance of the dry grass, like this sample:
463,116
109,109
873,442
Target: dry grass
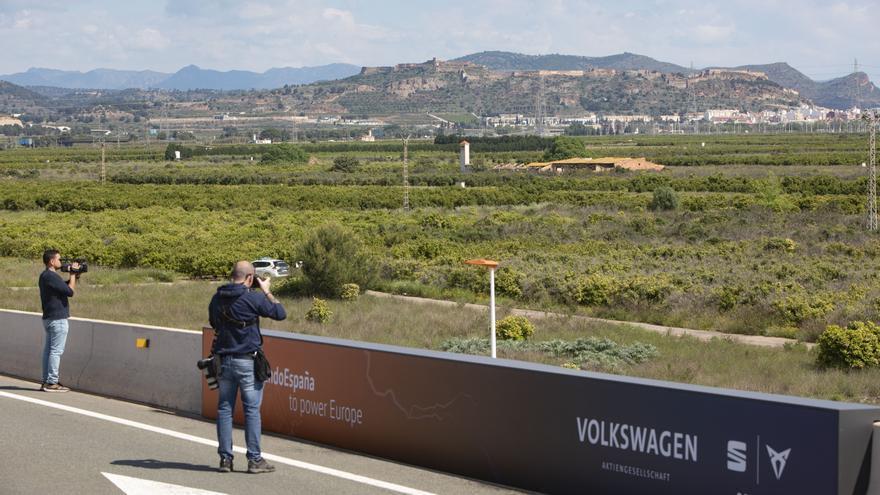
718,363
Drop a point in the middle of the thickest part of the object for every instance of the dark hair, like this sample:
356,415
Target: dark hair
49,254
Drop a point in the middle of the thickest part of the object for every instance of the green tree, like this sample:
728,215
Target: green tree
284,153
565,147
664,198
578,129
334,256
275,134
344,163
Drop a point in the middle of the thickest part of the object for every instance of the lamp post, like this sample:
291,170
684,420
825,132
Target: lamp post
491,265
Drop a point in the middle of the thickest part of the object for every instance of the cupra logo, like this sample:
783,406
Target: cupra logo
778,460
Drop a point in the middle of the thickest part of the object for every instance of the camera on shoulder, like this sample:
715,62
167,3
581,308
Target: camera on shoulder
67,265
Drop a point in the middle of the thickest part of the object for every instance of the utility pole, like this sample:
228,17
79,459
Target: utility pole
406,172
872,180
103,165
856,89
540,108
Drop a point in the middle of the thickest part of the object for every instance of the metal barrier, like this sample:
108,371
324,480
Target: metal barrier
538,427
554,430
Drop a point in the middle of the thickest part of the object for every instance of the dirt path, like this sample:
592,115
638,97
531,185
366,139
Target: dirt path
704,335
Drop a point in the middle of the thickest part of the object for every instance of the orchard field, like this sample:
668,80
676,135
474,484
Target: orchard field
748,234
767,236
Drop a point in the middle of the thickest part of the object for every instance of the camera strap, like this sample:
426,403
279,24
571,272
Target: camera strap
241,325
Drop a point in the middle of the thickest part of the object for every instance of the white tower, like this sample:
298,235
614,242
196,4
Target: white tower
465,155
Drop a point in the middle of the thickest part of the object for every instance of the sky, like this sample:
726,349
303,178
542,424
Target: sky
820,38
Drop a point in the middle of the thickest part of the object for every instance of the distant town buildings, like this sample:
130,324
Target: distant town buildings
716,116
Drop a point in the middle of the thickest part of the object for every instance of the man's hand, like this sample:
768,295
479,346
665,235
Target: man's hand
74,268
263,284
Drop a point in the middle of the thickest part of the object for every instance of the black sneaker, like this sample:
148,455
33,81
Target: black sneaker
225,465
54,387
260,466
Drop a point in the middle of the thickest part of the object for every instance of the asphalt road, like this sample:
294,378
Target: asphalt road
84,444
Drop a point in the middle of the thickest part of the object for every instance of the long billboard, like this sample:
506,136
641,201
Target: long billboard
553,430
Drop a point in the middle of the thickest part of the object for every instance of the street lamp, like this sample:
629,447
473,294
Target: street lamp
491,265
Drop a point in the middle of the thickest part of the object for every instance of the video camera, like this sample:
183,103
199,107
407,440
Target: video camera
210,366
66,265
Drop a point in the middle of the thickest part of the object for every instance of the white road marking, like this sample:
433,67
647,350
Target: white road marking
213,443
137,486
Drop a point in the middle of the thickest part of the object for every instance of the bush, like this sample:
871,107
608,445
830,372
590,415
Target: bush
345,163
319,312
799,307
601,353
288,153
780,244
331,257
508,282
514,328
597,290
349,292
855,347
664,198
564,147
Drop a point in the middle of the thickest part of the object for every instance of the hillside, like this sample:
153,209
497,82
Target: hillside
436,86
836,93
508,61
16,99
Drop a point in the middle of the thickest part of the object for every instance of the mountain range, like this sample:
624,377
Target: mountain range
835,93
838,93
189,77
841,92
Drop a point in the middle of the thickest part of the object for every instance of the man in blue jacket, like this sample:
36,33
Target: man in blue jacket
54,292
235,313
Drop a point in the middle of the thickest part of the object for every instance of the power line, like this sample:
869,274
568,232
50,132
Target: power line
406,172
103,165
872,180
856,88
540,108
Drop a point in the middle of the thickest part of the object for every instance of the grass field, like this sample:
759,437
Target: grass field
790,370
767,238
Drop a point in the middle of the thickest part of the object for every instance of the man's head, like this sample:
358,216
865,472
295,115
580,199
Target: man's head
243,273
52,258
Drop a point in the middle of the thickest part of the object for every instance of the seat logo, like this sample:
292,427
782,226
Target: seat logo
778,460
736,456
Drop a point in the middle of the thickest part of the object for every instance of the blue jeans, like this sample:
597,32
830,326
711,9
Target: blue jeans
53,348
238,374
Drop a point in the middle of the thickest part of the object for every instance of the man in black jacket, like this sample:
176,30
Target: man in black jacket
53,297
234,314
